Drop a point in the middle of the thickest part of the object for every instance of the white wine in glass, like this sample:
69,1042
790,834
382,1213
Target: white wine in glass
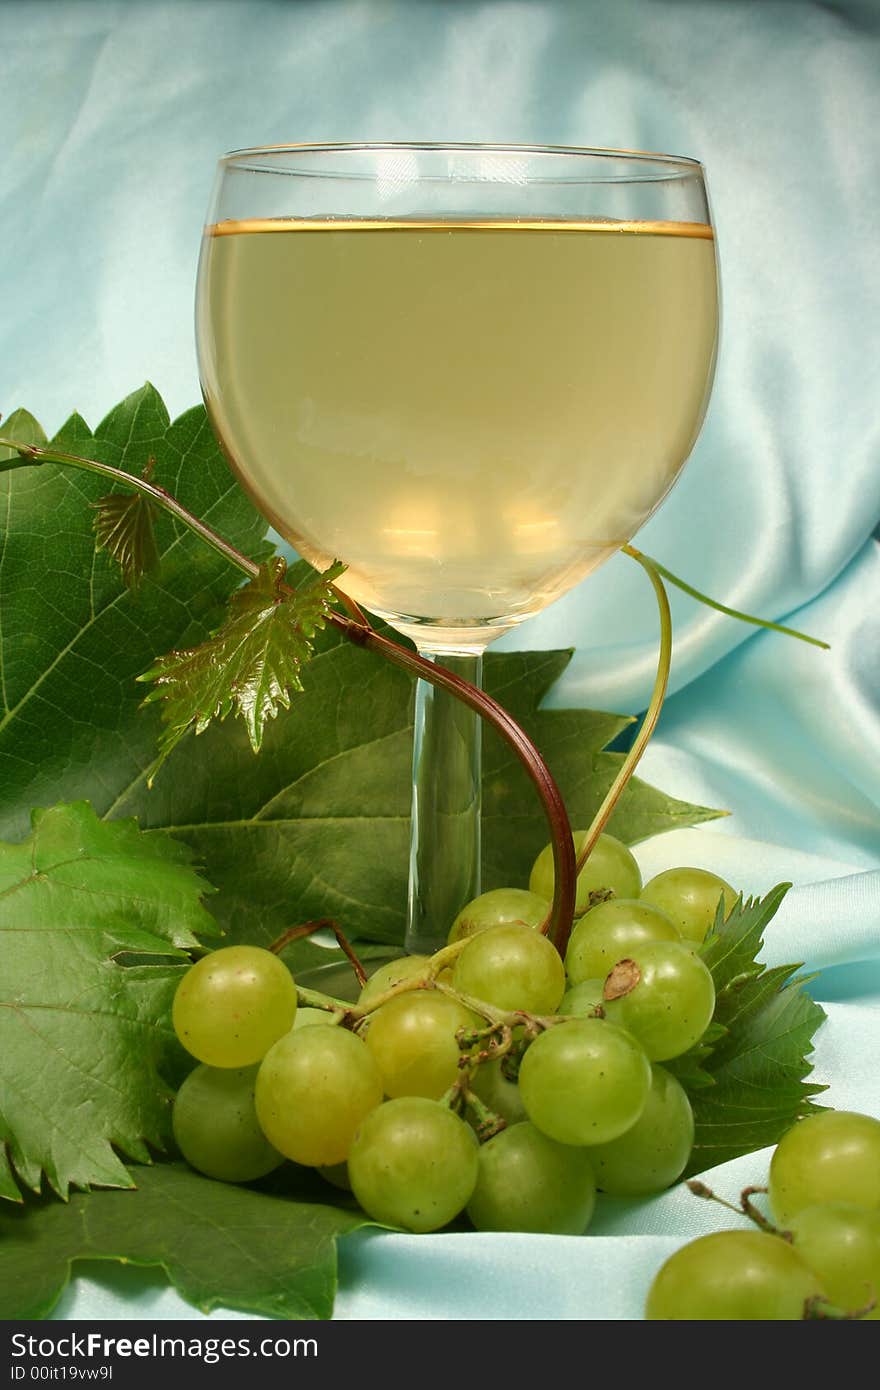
471,374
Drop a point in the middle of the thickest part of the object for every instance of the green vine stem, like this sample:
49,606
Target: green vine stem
316,999
722,607
561,913
446,957
649,723
652,714
657,573
34,454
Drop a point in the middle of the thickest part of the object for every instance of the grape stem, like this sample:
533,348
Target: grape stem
439,961
308,928
496,1018
500,1022
488,1121
497,1038
532,1024
446,957
459,1097
314,999
819,1307
357,629
745,1208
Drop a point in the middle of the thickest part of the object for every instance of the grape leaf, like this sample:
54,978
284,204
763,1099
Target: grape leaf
73,638
82,1037
221,1246
250,664
747,1078
318,825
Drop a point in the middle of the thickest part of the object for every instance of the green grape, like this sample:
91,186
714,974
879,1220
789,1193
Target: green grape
732,1276
307,1018
528,1182
654,1153
690,897
513,968
585,1081
833,1156
233,1004
500,907
672,1004
413,1164
841,1244
498,1092
413,1041
583,998
393,972
610,869
215,1125
314,1088
612,931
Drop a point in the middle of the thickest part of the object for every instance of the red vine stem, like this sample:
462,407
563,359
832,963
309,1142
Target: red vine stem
308,929
559,920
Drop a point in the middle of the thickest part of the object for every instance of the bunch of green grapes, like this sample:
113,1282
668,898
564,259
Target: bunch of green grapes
497,1079
822,1257
267,1089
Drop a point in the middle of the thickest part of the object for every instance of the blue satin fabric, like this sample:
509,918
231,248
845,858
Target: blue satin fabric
112,117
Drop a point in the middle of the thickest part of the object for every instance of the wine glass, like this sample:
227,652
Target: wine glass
469,372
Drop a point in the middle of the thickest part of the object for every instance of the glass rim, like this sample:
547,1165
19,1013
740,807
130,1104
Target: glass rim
685,164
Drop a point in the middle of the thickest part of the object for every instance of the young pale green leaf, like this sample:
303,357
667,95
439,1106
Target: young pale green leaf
125,527
747,1076
221,1246
250,664
81,1037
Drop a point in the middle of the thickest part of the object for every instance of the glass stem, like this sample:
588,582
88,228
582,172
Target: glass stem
444,865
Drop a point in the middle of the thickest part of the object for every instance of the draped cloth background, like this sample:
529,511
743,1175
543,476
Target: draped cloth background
111,118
